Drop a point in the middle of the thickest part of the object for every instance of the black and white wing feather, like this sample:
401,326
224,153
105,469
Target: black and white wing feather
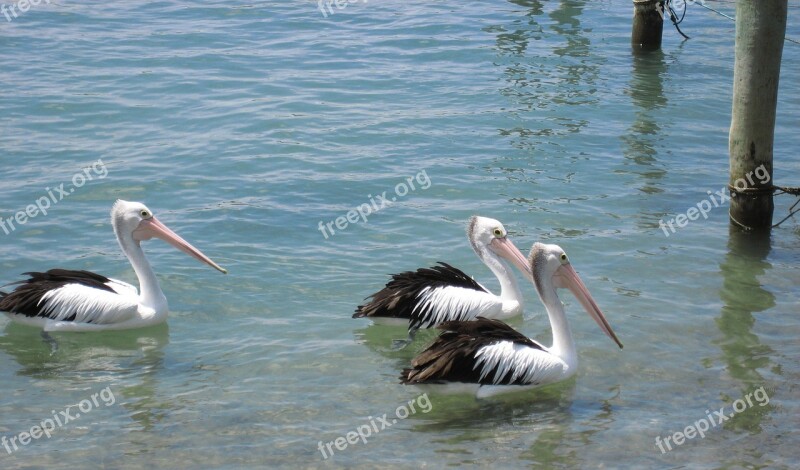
484,352
430,296
72,296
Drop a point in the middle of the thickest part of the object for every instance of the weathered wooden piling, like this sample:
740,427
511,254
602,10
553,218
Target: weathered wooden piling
760,29
648,24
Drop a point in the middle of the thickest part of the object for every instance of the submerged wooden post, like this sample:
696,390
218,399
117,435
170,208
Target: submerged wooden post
648,24
760,28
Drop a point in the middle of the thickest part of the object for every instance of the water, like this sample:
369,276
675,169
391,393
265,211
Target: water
243,126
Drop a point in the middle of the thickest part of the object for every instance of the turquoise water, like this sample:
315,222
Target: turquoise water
243,126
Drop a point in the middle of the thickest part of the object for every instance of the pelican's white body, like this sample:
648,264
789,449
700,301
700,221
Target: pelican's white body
118,310
533,366
75,306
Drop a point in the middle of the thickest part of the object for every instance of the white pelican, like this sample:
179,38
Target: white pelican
487,357
430,296
65,300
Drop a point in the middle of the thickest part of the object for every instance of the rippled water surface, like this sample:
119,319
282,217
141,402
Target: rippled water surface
245,126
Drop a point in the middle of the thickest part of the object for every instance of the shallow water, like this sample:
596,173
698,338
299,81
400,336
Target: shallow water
243,126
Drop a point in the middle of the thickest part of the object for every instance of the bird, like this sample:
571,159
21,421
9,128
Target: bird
430,296
70,300
486,357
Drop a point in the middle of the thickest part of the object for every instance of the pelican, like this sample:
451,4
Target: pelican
66,300
487,357
430,296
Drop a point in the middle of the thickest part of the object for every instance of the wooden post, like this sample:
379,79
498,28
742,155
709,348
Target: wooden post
760,28
648,24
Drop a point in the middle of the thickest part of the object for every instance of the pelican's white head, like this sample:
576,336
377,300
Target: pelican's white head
551,269
489,235
134,222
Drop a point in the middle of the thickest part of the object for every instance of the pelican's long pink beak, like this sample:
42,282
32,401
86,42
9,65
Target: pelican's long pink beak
152,227
566,277
505,248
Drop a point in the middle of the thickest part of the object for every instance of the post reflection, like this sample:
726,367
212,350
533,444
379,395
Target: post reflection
645,134
743,295
546,84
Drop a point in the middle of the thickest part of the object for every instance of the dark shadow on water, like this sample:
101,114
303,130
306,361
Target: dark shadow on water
470,413
128,361
516,42
379,339
77,352
550,416
553,418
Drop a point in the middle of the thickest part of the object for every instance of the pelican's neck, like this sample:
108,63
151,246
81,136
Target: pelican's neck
509,290
150,293
563,344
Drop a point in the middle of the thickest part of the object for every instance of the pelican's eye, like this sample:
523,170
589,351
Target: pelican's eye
144,213
498,232
563,257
